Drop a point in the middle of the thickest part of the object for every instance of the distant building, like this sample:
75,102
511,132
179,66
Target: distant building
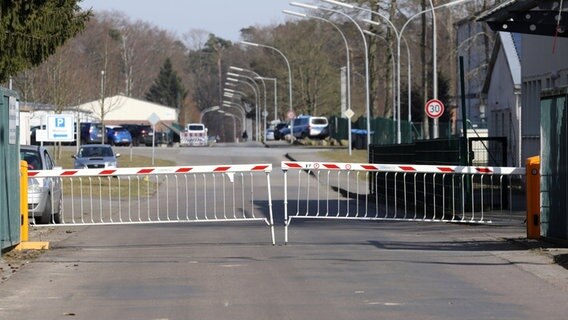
122,109
502,92
544,119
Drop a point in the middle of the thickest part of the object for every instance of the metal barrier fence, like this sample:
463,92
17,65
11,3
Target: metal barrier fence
190,194
346,191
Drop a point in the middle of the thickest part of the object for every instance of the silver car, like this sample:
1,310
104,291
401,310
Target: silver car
44,194
96,156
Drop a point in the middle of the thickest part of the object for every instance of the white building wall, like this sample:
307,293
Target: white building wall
502,111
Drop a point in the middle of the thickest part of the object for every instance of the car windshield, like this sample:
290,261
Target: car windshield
195,127
95,152
32,158
319,121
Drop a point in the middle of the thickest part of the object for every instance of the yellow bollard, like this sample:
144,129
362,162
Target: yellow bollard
24,227
533,197
25,244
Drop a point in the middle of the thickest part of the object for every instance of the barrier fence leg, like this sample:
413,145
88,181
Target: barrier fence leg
286,223
270,209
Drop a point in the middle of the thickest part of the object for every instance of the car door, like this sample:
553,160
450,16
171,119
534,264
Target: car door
54,183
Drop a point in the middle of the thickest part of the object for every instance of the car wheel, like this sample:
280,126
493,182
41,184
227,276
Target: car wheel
45,217
57,214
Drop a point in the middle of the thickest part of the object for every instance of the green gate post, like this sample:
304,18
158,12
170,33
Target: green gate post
9,169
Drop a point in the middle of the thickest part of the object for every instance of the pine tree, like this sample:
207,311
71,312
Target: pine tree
31,30
167,89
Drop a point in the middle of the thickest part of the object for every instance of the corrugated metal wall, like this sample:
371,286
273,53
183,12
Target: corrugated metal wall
9,170
554,164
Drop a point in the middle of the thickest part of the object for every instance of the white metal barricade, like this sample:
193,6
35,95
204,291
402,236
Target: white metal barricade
225,193
354,191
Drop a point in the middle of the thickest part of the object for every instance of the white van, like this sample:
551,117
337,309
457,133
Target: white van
195,134
310,127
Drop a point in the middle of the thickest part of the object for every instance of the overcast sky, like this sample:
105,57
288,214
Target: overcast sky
224,18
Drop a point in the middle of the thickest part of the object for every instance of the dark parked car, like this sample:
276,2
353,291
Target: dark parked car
277,132
91,133
160,137
118,136
44,194
139,132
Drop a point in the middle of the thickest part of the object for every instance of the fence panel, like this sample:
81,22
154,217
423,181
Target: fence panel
353,191
192,194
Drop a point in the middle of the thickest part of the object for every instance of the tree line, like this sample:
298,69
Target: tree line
66,56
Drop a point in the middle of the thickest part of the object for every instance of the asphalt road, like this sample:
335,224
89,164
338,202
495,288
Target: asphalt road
329,270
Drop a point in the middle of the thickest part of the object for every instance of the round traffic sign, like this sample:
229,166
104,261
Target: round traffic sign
434,108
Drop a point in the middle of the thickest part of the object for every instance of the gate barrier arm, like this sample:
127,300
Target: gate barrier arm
398,192
217,193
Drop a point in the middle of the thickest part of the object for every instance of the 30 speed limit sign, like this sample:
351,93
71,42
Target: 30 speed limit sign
434,108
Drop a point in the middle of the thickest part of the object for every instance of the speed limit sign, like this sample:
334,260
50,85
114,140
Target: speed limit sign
434,108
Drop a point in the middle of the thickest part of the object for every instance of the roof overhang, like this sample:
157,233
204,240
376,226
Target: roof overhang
529,17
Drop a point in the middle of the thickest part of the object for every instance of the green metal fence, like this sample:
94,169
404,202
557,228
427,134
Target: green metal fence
554,164
383,130
9,169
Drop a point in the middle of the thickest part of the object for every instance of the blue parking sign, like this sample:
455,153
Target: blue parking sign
60,127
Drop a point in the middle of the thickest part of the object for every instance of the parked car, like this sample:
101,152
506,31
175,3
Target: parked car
284,133
118,136
269,134
139,132
277,130
310,127
91,133
158,137
44,194
96,156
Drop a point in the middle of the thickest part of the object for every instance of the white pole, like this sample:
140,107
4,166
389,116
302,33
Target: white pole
366,47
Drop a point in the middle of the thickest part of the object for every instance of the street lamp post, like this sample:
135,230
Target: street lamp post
226,114
229,104
251,80
399,36
204,111
394,93
256,91
348,64
264,112
103,104
366,48
275,95
291,108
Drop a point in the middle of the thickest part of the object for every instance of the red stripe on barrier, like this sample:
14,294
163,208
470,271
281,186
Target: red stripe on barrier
107,172
183,170
293,165
446,169
367,167
330,166
32,174
145,171
483,170
221,169
406,168
68,173
259,168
